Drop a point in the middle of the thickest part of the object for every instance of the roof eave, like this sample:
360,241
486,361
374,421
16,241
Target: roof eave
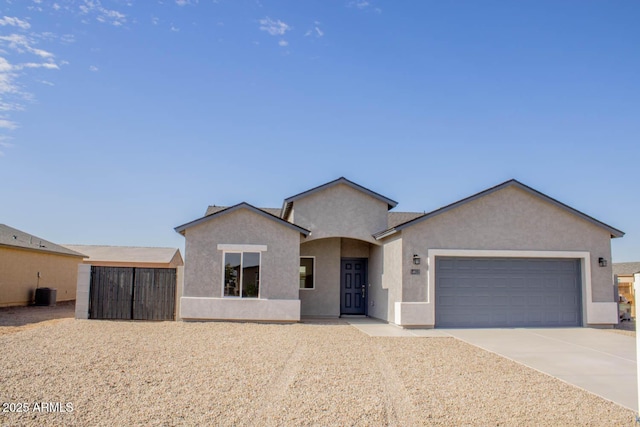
52,252
385,233
244,205
342,180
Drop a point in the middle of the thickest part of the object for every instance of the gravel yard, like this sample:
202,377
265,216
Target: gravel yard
178,373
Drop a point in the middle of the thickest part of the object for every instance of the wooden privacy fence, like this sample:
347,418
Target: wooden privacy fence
132,293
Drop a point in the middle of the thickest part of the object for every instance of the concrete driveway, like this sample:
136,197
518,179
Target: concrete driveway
598,361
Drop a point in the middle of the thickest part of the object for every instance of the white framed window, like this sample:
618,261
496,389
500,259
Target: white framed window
241,275
307,272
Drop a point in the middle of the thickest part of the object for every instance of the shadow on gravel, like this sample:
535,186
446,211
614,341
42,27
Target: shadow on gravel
22,316
323,321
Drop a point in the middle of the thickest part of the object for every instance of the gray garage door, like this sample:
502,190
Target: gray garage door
513,292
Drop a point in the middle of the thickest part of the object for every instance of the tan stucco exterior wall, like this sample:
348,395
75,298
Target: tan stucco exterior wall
19,275
341,211
350,248
385,278
507,219
324,299
279,273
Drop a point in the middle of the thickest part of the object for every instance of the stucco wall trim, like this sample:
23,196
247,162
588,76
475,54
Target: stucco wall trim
240,309
242,248
414,314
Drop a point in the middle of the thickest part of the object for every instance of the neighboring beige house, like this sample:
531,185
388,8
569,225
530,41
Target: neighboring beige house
508,256
129,256
628,274
28,262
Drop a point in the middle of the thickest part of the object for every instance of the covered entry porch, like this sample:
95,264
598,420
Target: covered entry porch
334,277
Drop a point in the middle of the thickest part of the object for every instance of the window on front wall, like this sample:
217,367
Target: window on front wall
242,274
307,272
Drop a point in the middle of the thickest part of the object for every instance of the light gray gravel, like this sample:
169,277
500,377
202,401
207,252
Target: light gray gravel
175,373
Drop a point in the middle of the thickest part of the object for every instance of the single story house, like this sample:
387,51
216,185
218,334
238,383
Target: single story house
128,282
507,256
28,262
628,274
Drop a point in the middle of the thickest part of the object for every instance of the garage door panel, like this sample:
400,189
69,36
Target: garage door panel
447,264
535,301
500,300
504,292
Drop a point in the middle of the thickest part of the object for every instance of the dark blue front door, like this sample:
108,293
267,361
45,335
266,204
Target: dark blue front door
353,282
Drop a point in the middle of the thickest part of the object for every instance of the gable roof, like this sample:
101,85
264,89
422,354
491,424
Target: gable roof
15,238
288,202
393,218
511,183
213,209
396,218
626,268
244,205
127,253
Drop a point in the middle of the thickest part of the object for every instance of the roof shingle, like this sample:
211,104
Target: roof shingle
625,268
12,237
126,253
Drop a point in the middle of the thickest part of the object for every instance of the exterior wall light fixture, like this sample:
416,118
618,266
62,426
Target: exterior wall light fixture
602,262
416,259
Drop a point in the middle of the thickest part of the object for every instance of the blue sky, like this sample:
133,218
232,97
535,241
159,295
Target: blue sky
120,120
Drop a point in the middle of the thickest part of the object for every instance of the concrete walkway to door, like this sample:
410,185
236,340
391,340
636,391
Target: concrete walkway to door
598,361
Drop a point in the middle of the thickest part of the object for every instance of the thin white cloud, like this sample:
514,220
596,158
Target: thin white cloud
47,65
155,20
4,144
21,43
174,28
8,87
20,54
363,4
8,124
102,14
26,54
14,22
67,38
5,66
275,28
315,31
359,4
10,106
186,2
283,43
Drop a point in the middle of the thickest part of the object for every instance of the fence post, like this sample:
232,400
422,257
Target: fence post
82,291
